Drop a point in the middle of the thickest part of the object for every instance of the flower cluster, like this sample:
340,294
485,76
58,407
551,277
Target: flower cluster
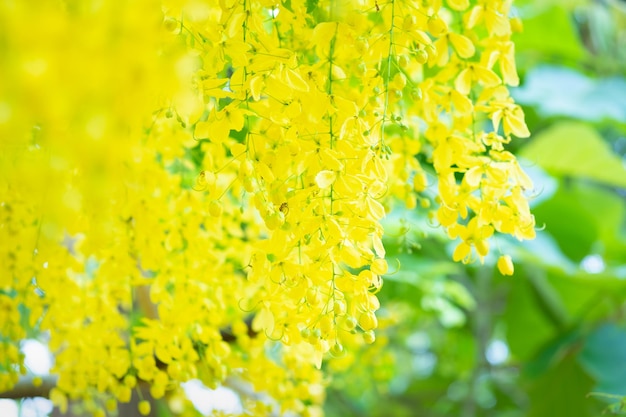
186,185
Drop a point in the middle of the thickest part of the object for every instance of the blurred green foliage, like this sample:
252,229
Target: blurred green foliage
551,340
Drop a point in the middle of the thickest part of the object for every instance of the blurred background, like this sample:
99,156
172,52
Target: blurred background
462,340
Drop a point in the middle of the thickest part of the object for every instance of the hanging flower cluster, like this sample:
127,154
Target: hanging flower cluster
185,183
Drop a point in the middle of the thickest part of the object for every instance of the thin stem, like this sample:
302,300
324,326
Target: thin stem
389,60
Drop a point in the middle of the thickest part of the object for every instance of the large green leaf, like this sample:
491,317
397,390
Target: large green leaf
562,392
552,353
587,296
583,219
527,326
574,228
604,357
574,149
548,32
609,211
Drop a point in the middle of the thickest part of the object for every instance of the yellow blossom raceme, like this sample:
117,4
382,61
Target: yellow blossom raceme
186,184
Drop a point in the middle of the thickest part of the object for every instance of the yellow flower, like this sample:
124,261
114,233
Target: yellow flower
144,407
164,148
505,265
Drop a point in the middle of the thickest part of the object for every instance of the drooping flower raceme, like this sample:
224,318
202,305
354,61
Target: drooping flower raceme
185,183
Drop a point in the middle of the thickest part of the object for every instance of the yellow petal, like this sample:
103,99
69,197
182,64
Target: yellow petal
256,86
474,16
377,244
338,73
399,81
447,216
473,177
419,181
497,24
295,81
351,256
264,320
458,5
496,117
514,123
463,82
461,103
482,247
509,71
322,36
436,25
236,119
238,149
516,25
325,179
376,209
443,55
202,129
461,252
379,267
421,37
522,178
486,76
462,44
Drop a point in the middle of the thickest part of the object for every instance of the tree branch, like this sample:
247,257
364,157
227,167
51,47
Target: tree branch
25,387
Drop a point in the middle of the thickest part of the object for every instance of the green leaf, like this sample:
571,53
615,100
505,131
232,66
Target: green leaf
604,357
574,149
549,32
587,296
311,5
548,299
584,219
609,211
527,327
574,229
562,391
552,353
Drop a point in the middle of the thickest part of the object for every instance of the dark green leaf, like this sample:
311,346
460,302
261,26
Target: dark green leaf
527,327
574,229
562,392
604,357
